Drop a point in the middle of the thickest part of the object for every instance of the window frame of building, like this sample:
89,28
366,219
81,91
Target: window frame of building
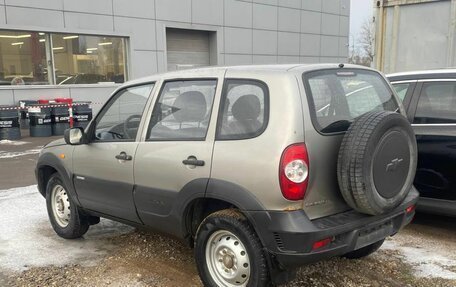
49,54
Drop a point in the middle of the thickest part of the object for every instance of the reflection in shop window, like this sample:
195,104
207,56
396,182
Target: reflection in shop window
23,58
80,59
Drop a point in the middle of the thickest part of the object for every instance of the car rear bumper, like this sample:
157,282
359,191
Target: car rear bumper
289,236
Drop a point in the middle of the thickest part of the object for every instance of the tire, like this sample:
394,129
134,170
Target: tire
365,251
227,235
377,162
65,218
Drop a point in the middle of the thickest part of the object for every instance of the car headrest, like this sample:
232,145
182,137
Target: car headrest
247,107
190,107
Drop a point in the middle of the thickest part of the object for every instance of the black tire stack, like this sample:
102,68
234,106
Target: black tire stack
82,114
9,123
24,104
40,121
60,119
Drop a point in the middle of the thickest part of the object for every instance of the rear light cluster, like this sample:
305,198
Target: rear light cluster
294,171
410,209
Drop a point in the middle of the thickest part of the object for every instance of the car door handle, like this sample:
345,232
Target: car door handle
191,160
124,156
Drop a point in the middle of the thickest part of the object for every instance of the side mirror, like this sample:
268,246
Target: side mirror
75,136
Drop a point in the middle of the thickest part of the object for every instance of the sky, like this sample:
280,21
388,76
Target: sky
359,11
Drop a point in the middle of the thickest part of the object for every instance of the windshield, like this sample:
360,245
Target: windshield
338,96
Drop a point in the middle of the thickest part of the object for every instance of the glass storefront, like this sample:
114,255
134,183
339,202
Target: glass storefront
88,59
23,58
34,58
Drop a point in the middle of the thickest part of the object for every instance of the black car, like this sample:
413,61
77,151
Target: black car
429,98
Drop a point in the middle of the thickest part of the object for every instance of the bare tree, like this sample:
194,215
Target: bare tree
362,48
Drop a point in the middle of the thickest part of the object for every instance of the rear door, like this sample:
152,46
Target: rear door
335,98
434,121
175,154
103,168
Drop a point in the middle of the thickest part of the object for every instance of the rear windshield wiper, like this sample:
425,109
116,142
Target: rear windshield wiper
337,126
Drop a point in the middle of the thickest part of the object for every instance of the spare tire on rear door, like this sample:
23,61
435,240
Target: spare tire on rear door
377,162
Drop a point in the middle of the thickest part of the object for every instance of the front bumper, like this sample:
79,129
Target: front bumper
289,236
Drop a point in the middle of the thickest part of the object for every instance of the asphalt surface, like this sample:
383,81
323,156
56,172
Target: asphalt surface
18,160
113,254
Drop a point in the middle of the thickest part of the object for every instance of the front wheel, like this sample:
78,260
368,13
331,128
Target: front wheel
228,252
64,215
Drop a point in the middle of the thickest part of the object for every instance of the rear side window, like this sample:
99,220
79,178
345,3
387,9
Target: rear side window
437,103
338,96
244,110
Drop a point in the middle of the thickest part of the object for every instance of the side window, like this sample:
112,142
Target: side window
119,120
401,90
437,103
183,110
244,110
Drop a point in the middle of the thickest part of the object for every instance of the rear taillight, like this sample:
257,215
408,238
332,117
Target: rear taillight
294,171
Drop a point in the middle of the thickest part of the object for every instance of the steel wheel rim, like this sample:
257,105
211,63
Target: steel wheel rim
227,259
60,204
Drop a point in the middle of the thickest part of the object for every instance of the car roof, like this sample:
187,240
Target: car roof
448,73
188,73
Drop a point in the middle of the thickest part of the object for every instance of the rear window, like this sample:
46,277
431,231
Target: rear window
338,96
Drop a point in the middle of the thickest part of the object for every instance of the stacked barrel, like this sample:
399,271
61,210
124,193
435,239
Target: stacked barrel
43,118
9,123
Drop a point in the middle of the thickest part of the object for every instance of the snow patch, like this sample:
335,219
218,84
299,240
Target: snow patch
28,240
5,154
8,142
426,260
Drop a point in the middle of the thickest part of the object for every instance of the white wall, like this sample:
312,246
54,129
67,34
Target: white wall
248,32
417,36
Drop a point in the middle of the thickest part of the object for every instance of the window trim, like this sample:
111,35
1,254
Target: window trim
94,122
263,86
311,103
416,99
407,102
162,87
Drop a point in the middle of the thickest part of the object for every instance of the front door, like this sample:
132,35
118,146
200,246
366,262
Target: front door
177,149
103,169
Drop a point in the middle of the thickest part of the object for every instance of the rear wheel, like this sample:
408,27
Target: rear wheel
365,251
65,218
228,252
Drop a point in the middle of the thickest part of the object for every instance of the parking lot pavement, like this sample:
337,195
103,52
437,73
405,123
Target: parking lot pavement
18,160
113,254
28,240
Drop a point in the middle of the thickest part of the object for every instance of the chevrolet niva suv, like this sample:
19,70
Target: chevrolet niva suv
260,168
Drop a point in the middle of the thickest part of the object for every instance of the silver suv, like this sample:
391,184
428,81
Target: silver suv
260,168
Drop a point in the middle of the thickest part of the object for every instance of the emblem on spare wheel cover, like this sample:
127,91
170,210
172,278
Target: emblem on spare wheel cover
392,166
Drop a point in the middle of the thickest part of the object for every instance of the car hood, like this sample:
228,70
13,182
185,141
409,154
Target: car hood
58,142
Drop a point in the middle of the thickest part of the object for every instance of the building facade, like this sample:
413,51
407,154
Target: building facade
84,49
414,34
